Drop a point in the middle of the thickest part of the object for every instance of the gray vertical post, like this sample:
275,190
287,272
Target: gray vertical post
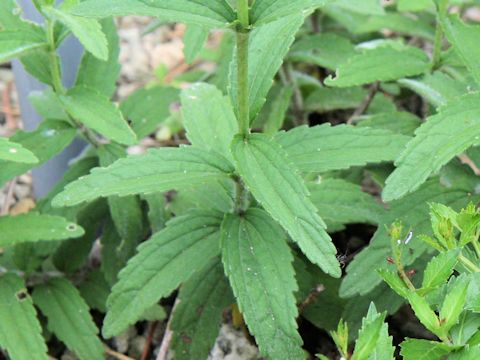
47,175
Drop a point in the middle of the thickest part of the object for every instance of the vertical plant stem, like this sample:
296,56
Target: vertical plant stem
442,9
242,60
54,62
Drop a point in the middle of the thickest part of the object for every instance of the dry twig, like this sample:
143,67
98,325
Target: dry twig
366,103
465,159
167,337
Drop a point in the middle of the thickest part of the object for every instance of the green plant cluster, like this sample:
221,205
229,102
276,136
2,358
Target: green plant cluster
256,194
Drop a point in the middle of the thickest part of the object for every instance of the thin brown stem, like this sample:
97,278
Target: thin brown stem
466,160
151,331
116,354
8,197
366,102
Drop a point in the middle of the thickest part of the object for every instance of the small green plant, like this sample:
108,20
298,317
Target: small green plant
255,194
445,301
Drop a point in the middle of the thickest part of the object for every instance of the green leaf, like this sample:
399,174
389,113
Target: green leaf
443,136
49,139
17,43
373,7
208,118
159,170
473,300
170,257
454,302
439,269
424,312
214,13
76,170
414,5
72,254
20,331
111,262
384,350
368,335
216,195
95,111
10,151
33,227
394,281
126,212
69,318
467,326
95,290
257,261
157,214
273,114
359,24
380,64
326,99
414,212
147,108
10,15
87,31
98,74
194,39
397,122
265,57
326,50
199,313
340,202
419,349
266,171
48,105
464,38
325,147
37,64
467,353
437,88
265,11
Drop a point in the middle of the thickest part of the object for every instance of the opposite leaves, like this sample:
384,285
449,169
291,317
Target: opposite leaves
276,185
257,262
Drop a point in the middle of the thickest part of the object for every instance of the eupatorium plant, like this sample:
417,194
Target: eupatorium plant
257,192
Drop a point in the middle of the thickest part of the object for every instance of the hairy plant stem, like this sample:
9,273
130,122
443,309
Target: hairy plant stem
442,9
241,197
242,61
54,61
401,272
57,84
